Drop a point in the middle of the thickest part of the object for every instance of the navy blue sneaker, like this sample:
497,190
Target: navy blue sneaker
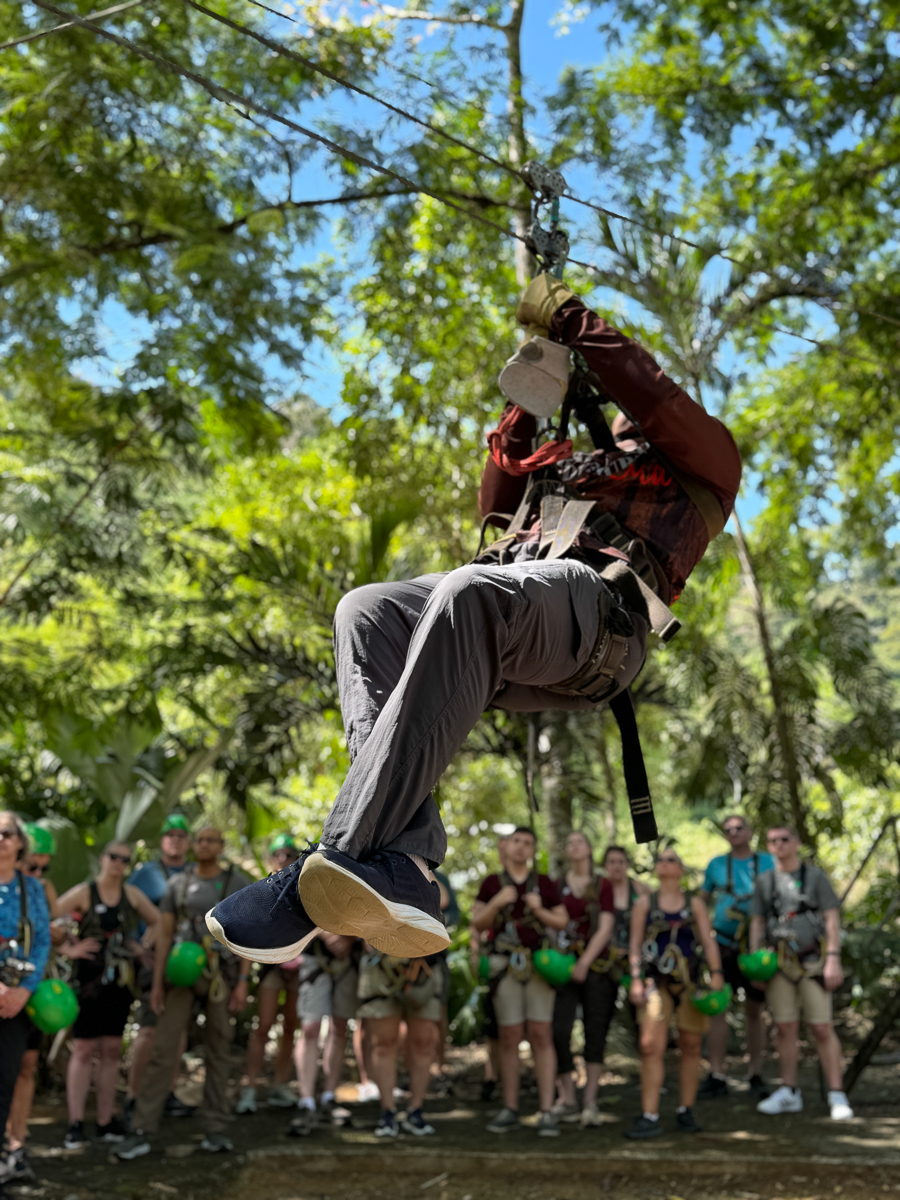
266,921
386,900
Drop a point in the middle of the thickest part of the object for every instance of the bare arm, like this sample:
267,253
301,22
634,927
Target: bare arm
639,912
484,917
76,899
600,940
143,905
707,941
834,972
757,933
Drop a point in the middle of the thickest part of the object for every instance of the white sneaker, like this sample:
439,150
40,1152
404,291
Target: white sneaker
366,1092
783,1100
247,1101
839,1106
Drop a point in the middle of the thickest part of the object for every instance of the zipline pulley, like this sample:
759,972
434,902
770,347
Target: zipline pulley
549,246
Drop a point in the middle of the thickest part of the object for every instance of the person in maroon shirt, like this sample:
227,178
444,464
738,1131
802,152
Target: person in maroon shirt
592,916
543,623
517,909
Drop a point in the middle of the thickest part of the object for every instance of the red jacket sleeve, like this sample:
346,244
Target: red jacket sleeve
694,441
499,492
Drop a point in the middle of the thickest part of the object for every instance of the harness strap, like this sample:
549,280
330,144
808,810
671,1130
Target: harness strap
636,783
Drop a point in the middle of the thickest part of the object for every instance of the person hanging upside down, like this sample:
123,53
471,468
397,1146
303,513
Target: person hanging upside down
554,615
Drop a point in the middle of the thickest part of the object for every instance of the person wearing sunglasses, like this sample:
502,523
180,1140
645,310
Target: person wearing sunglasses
24,950
728,884
108,910
151,878
796,912
670,935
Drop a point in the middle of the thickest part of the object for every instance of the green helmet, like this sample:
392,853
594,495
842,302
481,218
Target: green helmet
556,968
53,1006
711,1002
40,840
761,964
282,841
175,821
185,964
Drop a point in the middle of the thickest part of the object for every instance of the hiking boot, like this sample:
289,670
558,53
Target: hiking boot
134,1146
247,1101
386,900
547,1125
113,1131
488,1090
415,1123
281,1096
266,921
713,1087
216,1143
177,1108
643,1127
505,1120
759,1088
304,1123
75,1136
565,1112
590,1116
387,1126
783,1100
687,1122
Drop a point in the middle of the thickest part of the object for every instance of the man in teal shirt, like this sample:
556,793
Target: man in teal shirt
728,890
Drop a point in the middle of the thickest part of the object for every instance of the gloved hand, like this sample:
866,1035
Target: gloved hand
540,300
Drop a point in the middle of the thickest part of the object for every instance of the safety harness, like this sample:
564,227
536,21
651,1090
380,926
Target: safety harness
16,966
118,956
185,931
737,940
670,962
794,960
569,940
383,977
507,954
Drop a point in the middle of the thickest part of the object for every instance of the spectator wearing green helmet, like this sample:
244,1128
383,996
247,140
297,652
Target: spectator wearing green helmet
274,980
151,878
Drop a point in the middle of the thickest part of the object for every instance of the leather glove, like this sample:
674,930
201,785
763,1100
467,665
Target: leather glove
540,300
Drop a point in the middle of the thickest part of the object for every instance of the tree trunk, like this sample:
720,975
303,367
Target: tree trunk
556,797
783,729
609,817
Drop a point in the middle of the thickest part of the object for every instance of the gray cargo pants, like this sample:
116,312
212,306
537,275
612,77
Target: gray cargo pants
419,661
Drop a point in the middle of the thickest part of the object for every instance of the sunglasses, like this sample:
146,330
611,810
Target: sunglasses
729,829
34,869
122,858
7,834
779,838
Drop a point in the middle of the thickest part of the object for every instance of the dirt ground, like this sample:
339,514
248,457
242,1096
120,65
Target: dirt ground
740,1155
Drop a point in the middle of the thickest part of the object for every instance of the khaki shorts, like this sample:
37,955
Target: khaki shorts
422,1001
787,996
275,978
516,1002
662,1005
329,995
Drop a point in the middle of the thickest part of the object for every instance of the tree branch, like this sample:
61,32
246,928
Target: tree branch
407,14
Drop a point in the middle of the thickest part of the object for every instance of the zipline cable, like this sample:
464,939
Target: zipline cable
234,99
94,16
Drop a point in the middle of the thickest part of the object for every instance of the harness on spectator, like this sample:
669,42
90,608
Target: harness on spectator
118,956
15,966
794,960
185,930
507,943
382,977
671,962
739,938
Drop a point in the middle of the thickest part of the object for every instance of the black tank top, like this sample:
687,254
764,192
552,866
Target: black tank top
101,921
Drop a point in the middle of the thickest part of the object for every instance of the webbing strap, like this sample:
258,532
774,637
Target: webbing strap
570,524
636,783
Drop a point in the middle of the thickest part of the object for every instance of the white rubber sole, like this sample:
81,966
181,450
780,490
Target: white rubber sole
279,955
342,903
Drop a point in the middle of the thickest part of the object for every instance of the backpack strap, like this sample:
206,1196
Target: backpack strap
25,933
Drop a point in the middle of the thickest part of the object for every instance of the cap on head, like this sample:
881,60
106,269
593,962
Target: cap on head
175,821
282,841
40,840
